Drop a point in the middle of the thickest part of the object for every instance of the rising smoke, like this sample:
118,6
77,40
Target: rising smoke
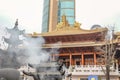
34,52
30,51
20,51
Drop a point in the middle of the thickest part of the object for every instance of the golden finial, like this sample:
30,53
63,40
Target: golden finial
34,33
77,25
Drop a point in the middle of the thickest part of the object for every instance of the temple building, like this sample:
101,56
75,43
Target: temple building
87,54
84,51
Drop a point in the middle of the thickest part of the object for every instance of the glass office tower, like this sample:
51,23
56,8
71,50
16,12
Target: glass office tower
45,19
49,20
53,11
67,8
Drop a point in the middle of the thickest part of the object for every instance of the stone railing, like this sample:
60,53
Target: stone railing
92,70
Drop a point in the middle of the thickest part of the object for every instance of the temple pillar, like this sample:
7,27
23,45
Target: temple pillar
82,58
94,58
70,56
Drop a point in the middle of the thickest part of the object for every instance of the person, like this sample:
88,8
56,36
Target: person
60,67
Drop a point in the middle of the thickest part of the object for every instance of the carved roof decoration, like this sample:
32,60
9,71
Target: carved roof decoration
117,36
117,33
64,28
71,31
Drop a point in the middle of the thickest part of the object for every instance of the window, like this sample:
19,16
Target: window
67,4
67,8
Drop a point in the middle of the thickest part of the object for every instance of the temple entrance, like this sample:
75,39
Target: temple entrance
76,60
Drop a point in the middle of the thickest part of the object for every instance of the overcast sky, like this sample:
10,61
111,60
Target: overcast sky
88,13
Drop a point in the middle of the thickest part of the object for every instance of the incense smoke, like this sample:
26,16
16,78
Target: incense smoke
30,51
33,50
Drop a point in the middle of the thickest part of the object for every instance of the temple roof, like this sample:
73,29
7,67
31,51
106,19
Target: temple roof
14,42
73,32
117,33
64,28
69,31
15,29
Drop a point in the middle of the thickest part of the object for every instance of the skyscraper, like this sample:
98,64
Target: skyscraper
53,11
67,8
49,20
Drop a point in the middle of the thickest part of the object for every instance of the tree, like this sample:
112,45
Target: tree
109,50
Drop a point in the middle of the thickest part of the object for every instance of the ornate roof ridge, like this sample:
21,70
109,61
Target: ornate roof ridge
64,28
69,32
